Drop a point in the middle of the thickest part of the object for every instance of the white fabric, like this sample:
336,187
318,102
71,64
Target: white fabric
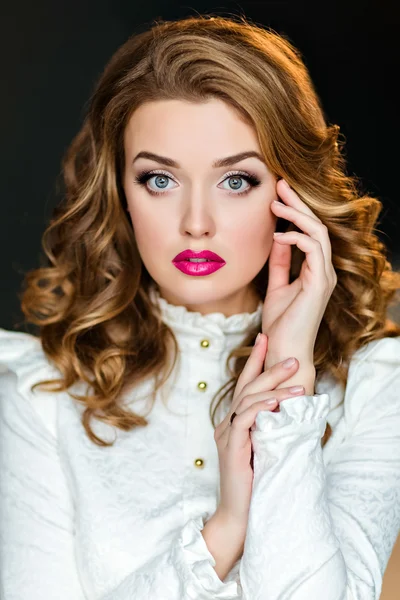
124,522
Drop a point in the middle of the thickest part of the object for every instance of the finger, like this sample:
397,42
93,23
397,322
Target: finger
307,223
264,393
254,365
279,266
289,196
270,379
253,368
281,394
292,200
239,430
312,249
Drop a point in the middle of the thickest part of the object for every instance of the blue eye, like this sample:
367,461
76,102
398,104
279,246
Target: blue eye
252,180
143,177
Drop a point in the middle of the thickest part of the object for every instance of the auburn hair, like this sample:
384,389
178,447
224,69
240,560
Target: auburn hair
91,297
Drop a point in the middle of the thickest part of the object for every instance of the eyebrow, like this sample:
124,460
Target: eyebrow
221,162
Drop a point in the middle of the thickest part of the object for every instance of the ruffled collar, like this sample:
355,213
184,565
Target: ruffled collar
181,320
190,326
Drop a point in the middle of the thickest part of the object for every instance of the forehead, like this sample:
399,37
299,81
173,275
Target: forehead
177,128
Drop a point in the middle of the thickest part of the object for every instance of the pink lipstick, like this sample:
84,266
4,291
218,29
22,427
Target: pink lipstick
202,263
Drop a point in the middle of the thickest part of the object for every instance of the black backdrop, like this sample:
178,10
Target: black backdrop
53,52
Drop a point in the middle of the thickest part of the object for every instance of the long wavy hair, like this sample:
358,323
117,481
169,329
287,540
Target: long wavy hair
91,297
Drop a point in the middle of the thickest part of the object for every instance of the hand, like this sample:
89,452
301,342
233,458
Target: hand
234,445
292,313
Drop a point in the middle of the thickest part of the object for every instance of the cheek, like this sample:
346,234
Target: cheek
254,234
152,229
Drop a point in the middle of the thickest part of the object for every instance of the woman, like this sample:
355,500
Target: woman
129,479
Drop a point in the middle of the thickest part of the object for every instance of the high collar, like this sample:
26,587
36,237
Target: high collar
224,334
188,325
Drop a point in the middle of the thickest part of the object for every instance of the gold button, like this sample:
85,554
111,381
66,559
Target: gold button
204,343
202,385
199,463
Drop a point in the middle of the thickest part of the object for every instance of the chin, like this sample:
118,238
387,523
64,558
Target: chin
194,292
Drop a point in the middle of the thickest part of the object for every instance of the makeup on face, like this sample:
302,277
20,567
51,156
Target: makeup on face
209,191
198,263
145,176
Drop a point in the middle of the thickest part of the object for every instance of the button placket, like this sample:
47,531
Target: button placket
202,385
199,463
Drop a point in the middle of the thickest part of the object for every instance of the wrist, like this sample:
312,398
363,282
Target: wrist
299,378
224,538
305,375
226,530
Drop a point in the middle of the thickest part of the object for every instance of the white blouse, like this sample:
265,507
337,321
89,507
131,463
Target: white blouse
79,521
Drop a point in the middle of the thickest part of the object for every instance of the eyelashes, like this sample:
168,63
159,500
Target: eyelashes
143,177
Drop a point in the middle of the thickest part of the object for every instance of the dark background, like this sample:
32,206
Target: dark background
53,52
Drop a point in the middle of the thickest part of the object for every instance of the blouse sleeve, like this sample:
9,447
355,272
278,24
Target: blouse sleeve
37,545
319,531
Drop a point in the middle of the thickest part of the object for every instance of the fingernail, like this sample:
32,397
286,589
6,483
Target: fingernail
258,338
278,233
285,183
296,389
270,402
289,363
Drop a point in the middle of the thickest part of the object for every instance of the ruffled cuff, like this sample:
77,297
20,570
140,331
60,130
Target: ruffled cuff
202,581
299,417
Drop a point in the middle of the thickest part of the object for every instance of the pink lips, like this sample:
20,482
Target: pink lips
182,263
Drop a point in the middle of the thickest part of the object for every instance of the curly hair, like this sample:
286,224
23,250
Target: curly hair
91,297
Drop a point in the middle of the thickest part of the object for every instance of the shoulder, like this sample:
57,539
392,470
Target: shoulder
375,361
385,351
374,380
22,364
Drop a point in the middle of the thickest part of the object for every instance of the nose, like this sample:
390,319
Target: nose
197,219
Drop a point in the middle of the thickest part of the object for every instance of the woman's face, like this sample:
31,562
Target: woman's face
199,206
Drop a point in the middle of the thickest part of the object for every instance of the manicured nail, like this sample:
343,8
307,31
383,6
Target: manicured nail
270,402
285,183
296,389
258,338
289,363
278,233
